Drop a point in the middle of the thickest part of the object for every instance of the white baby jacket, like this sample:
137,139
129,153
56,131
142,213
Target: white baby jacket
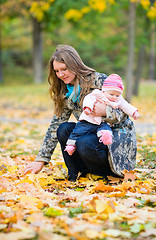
94,96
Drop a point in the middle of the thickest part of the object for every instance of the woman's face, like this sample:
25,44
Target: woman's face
63,73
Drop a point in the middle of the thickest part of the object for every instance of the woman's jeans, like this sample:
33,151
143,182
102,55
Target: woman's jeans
90,155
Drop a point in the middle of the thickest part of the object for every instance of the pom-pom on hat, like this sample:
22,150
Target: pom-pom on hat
113,82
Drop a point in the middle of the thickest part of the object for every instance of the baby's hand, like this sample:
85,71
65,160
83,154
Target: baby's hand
136,115
87,110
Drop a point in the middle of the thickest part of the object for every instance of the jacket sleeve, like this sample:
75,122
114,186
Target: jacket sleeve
127,107
50,140
89,102
113,116
90,99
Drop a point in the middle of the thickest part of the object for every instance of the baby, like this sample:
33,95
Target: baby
111,95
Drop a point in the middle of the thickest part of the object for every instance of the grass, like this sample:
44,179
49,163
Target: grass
147,89
18,81
14,75
19,92
25,95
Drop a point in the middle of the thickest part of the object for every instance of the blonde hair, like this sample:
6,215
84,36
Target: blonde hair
83,75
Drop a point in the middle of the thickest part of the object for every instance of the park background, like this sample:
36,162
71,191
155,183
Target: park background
112,37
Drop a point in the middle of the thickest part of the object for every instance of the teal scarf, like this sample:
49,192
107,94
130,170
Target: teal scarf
73,95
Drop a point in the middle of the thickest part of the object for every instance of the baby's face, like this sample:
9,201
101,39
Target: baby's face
112,95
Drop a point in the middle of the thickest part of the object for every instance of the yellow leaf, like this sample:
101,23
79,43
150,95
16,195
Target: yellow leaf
102,216
91,234
25,234
21,141
102,206
43,182
26,181
12,169
154,149
57,173
117,194
73,14
99,5
116,233
145,3
50,179
30,201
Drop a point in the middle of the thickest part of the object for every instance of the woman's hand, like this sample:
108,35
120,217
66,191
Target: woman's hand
34,167
99,109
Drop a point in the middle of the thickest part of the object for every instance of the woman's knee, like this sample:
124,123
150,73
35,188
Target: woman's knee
64,130
89,146
85,143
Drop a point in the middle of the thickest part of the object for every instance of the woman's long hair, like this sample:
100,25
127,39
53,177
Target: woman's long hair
83,75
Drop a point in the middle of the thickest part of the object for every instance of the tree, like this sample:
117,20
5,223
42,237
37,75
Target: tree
46,15
152,53
37,51
148,33
150,8
131,45
1,74
139,68
42,13
14,9
142,49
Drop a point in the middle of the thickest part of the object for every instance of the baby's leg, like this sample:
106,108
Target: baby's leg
105,133
81,128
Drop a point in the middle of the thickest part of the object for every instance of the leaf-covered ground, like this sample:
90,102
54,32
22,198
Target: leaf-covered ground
46,206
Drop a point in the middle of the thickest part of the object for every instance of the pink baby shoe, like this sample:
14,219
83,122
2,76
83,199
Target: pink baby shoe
106,137
70,149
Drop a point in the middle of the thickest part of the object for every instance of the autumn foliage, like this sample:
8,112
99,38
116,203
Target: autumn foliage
47,205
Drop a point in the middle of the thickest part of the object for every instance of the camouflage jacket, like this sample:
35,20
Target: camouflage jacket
122,152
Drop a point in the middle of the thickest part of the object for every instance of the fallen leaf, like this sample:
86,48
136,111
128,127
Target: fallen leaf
129,175
101,187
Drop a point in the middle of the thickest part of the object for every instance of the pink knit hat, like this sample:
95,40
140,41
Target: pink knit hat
113,82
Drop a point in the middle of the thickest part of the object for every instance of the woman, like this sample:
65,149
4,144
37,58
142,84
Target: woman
70,81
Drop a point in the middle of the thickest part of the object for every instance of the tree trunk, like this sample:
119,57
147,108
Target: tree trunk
37,52
1,74
139,70
131,45
152,53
